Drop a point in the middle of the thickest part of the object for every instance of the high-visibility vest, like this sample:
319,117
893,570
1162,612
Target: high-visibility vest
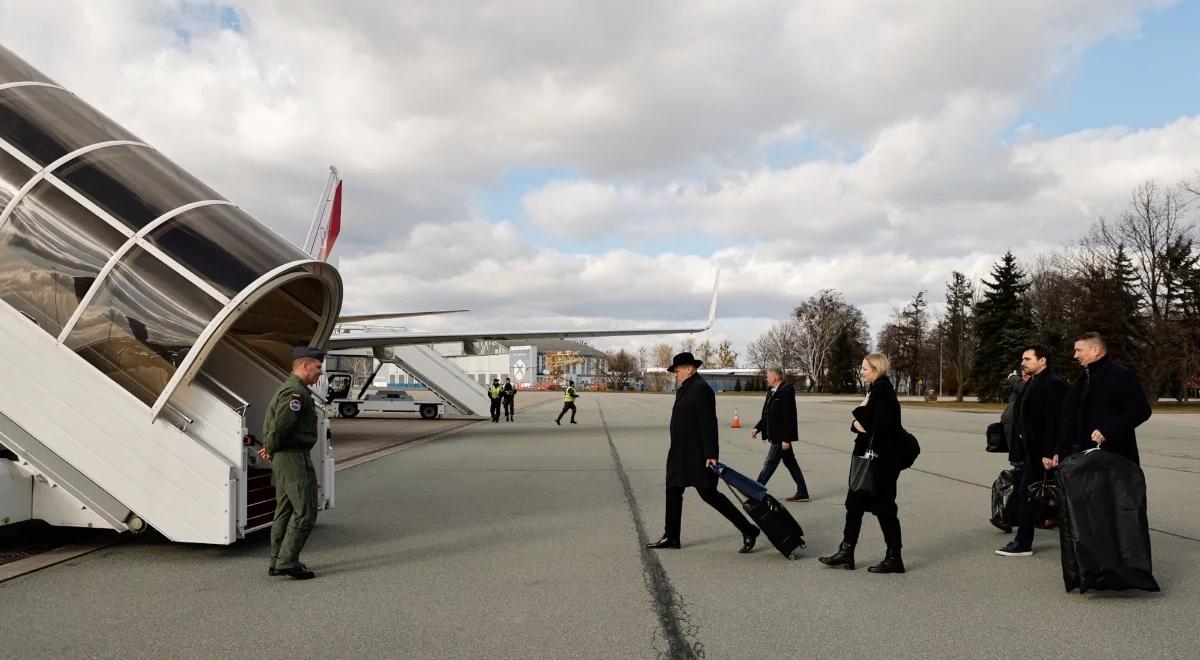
569,396
494,391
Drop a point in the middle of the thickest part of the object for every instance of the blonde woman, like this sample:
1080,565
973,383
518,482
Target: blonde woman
877,428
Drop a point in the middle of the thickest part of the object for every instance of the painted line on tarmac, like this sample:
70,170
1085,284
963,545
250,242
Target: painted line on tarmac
668,604
58,555
987,487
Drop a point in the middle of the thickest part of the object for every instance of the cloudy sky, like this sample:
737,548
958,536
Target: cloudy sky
591,165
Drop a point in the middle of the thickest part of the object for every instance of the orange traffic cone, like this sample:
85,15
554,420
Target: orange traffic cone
737,420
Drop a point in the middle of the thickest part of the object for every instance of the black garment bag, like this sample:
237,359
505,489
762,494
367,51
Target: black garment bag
1104,532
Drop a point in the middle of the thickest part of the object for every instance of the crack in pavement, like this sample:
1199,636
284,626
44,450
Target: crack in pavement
676,626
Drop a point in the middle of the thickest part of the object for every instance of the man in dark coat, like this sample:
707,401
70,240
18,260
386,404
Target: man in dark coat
1037,413
1104,406
693,452
778,426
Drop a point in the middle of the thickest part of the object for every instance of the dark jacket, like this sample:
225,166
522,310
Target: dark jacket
1016,451
1108,397
1038,416
693,435
509,392
881,419
778,422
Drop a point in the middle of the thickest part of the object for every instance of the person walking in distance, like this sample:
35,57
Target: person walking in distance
508,395
289,435
495,394
1037,413
568,403
692,454
877,429
778,426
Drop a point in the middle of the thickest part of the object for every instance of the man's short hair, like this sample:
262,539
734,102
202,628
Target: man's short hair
1040,352
1095,338
778,371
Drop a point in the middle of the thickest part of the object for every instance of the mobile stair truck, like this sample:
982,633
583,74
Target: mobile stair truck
145,323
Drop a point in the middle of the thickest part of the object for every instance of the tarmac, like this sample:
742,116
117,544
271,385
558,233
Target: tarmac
524,540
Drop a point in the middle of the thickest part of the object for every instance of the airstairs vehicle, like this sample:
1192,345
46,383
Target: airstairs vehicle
146,322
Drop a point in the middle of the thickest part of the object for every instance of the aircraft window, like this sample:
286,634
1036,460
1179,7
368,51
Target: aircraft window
14,69
134,184
142,324
51,250
224,246
46,123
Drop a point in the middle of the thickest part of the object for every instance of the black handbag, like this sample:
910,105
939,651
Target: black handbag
862,473
997,441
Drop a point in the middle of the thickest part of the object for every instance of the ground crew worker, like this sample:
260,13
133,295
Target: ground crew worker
495,392
568,403
509,395
289,434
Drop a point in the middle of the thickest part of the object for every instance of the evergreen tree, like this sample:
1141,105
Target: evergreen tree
957,339
1110,305
1002,327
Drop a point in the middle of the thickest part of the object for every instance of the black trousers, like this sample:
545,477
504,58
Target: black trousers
1033,472
508,408
711,496
495,410
882,504
568,405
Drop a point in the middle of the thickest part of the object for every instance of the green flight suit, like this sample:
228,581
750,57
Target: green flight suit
289,434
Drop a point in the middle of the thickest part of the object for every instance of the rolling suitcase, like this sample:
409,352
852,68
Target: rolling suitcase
775,521
1004,502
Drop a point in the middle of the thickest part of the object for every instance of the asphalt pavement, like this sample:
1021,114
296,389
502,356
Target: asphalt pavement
523,540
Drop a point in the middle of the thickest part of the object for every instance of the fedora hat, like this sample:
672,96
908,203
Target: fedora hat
682,359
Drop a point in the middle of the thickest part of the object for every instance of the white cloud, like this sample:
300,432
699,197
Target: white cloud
667,114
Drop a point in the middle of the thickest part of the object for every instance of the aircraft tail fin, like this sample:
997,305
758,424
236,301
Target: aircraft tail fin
327,221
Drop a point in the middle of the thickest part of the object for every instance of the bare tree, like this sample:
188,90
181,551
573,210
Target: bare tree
819,321
663,354
620,370
776,347
726,357
705,352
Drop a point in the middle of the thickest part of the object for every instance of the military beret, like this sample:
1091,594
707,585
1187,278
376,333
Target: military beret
307,352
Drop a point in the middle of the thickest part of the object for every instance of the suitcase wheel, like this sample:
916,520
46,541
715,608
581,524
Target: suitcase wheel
793,557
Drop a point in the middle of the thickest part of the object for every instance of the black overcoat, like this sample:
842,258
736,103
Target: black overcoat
881,419
693,435
1039,415
778,422
1108,397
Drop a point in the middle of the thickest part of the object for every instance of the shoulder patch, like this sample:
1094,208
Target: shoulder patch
294,404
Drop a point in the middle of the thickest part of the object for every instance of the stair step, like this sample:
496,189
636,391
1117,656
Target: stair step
261,508
258,521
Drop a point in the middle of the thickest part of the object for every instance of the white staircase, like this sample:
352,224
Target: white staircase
441,376
88,445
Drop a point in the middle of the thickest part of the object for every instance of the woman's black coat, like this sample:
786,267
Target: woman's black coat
693,435
881,419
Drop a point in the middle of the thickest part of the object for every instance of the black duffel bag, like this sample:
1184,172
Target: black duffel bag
1043,498
1004,500
997,442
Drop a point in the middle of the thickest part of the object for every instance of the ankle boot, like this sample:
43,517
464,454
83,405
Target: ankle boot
843,557
892,563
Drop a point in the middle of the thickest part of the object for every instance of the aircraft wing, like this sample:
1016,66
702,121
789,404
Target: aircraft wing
360,318
366,340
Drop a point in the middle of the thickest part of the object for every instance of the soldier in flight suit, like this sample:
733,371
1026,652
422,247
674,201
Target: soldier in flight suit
289,434
509,395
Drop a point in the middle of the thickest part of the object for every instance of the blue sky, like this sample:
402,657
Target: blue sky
1140,81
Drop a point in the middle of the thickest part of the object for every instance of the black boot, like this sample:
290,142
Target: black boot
844,557
748,542
892,563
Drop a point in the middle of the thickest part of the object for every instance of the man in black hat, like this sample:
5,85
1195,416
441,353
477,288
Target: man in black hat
693,451
289,434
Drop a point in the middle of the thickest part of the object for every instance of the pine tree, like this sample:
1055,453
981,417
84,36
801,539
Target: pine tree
1002,327
1110,306
955,332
